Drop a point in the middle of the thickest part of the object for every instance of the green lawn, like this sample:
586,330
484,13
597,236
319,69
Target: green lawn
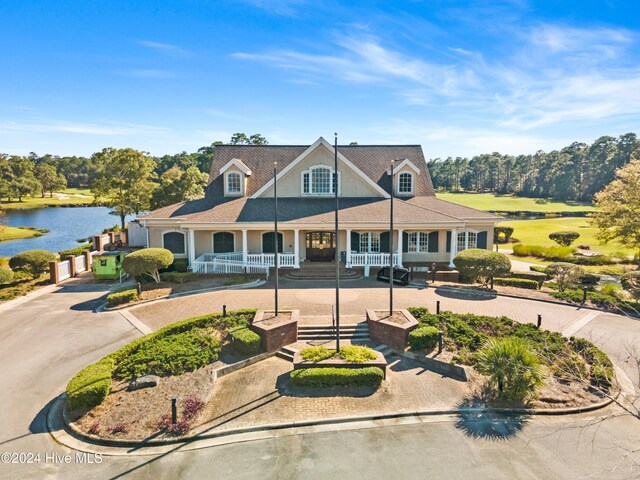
15,233
69,196
509,203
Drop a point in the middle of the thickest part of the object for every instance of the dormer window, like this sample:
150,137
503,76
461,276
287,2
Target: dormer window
319,180
405,183
235,174
234,183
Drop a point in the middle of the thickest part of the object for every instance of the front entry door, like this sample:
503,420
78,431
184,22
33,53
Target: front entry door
321,246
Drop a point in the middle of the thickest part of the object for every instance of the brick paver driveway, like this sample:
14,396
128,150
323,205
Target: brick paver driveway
316,299
261,395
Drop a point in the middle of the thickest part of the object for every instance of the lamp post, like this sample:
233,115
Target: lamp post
336,239
275,230
391,249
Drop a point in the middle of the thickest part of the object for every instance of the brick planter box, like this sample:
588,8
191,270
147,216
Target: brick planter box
276,332
391,332
337,362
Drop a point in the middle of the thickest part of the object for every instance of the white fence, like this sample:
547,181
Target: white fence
372,259
64,270
81,264
286,260
209,263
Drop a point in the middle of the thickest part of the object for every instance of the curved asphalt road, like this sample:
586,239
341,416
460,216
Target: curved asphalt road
44,341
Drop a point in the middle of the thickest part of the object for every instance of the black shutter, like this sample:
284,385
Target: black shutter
223,242
448,241
268,243
434,239
384,242
481,241
355,242
405,242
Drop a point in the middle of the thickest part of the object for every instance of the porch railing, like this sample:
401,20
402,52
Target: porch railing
284,259
206,264
372,259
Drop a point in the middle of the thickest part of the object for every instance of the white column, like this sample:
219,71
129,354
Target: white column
400,247
296,248
348,249
453,247
192,246
245,250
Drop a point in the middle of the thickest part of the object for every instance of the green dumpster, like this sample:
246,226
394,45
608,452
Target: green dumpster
107,265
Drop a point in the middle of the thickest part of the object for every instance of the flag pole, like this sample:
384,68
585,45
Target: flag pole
391,249
336,241
275,231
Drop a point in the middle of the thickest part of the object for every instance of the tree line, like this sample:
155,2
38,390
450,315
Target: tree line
150,182
576,172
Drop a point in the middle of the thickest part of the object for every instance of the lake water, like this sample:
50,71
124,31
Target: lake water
65,225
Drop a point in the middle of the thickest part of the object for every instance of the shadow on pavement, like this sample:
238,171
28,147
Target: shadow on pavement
462,293
39,422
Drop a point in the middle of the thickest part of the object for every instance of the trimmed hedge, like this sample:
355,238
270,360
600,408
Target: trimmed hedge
337,377
246,341
124,296
423,338
517,282
539,269
74,252
551,253
91,385
564,238
170,355
538,277
179,277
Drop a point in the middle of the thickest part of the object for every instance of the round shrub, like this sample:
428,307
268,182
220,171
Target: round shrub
147,262
32,262
6,276
566,274
505,232
357,354
513,368
631,283
479,264
423,338
564,238
124,296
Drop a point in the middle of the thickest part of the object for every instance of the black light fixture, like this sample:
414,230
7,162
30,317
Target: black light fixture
275,230
337,240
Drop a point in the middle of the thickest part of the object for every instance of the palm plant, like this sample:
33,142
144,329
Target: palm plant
513,368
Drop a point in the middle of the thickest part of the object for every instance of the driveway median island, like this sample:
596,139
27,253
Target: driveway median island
509,365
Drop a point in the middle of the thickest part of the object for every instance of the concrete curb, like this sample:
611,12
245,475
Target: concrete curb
578,306
60,429
104,308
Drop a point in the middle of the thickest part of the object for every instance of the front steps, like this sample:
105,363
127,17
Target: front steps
321,271
355,332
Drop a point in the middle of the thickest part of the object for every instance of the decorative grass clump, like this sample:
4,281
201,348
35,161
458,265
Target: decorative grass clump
357,354
316,354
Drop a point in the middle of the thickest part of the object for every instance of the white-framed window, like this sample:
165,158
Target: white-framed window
369,242
233,184
175,242
405,183
467,240
418,242
319,180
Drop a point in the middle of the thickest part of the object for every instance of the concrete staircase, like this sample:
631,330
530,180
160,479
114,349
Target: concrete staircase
286,353
355,332
321,271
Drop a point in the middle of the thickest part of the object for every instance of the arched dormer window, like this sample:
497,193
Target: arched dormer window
233,183
319,180
405,183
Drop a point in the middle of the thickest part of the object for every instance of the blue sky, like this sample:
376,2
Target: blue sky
459,78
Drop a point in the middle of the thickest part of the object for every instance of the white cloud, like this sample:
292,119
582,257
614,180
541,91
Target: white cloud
106,128
278,7
164,48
